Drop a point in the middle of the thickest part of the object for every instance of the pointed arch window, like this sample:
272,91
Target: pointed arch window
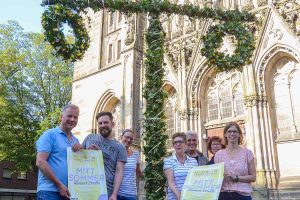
225,96
295,96
286,82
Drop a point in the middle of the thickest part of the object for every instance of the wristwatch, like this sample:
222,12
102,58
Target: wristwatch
236,178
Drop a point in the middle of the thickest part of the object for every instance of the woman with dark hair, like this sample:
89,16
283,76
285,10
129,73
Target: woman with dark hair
239,165
214,145
177,166
128,189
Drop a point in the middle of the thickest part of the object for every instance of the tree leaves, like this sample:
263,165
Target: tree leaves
34,85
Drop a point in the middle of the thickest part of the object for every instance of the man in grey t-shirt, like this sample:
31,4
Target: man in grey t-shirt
114,153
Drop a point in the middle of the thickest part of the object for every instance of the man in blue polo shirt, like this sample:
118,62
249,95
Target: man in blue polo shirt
51,157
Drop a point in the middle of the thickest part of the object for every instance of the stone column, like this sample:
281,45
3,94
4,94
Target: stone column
259,136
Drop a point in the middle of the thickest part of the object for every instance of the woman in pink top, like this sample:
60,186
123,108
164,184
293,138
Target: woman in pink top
239,165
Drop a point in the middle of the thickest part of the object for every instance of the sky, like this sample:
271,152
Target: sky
27,12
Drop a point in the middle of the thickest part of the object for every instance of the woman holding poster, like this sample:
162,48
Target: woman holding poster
239,165
176,167
128,189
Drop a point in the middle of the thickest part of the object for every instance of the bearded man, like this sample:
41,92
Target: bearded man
114,153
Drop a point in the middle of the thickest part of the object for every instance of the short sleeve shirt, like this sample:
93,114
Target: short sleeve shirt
180,172
112,150
239,166
55,142
128,187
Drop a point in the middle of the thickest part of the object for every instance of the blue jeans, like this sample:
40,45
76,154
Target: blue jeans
48,195
233,196
126,198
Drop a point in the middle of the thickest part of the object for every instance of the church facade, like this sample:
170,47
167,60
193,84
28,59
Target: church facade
263,97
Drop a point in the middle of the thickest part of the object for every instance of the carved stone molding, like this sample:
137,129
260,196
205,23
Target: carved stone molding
276,34
254,100
175,48
221,124
189,113
248,5
174,59
196,85
130,29
257,26
262,2
193,114
188,56
289,10
183,114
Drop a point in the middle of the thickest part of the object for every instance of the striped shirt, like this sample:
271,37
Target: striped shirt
180,172
128,187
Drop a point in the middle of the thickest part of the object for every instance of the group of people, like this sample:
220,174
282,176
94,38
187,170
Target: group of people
238,162
122,164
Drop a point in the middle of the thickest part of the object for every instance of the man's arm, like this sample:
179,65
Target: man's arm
139,172
42,164
118,179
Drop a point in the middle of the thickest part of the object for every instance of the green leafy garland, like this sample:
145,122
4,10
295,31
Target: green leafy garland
62,11
213,41
155,125
53,20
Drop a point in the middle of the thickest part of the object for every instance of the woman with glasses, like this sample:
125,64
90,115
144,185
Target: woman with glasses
128,189
239,165
176,167
214,145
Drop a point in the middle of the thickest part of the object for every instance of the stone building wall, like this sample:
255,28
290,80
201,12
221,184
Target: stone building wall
199,98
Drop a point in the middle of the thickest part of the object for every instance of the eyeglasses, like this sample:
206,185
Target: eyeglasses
192,140
232,132
128,137
217,144
178,142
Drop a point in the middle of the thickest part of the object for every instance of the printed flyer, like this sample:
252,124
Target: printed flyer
203,182
86,175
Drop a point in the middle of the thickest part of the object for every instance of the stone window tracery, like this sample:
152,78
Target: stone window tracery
172,117
286,96
225,96
213,105
295,96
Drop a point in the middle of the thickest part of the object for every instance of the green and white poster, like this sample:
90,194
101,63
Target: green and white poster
86,175
203,182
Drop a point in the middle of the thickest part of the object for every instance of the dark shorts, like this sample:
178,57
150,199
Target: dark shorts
126,198
233,196
48,195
